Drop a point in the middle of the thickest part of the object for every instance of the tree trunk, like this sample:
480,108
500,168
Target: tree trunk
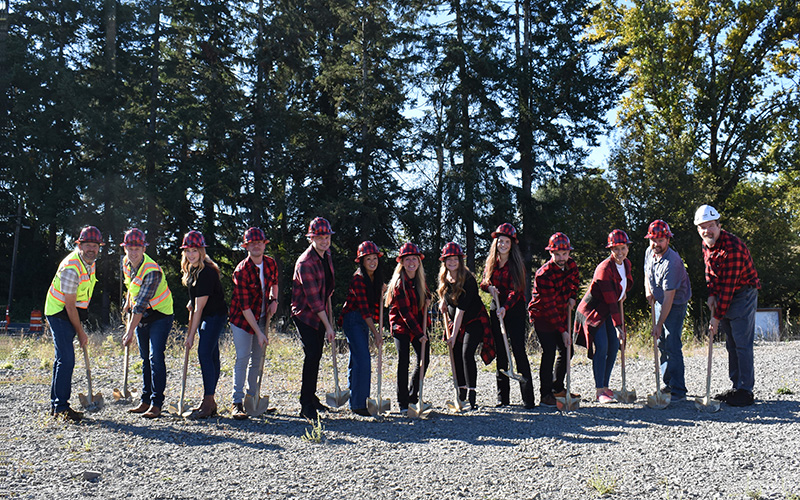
525,137
468,177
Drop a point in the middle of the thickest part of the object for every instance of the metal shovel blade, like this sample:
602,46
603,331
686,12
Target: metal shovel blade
625,396
568,403
91,403
255,406
659,400
337,398
511,375
376,409
457,407
421,410
706,404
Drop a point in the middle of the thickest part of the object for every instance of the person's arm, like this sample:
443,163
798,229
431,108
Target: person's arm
70,300
325,317
195,318
666,306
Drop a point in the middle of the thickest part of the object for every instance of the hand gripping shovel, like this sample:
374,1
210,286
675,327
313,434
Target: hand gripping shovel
93,401
658,400
510,372
258,405
624,396
379,405
422,409
568,403
707,404
458,406
179,409
124,393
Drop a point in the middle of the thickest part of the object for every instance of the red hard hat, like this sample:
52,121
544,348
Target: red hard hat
367,248
559,241
451,249
658,229
319,227
409,249
254,234
617,237
91,234
133,238
506,229
193,239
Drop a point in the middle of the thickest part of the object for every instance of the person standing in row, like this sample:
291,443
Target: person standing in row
207,315
407,298
358,318
504,275
470,326
312,288
733,284
149,305
255,295
667,289
66,307
555,291
598,319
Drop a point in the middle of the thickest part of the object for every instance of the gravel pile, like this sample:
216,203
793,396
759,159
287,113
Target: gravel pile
508,453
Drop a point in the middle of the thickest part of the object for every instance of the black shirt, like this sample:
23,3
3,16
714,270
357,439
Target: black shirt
209,285
468,301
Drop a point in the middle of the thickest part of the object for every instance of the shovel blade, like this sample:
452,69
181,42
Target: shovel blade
337,398
256,408
117,394
458,406
658,401
84,400
707,405
419,410
568,403
511,375
376,409
625,396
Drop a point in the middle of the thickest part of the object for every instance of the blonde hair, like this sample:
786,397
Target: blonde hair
458,284
397,282
516,267
190,272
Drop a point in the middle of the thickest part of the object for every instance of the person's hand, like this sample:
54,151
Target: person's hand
572,303
566,338
713,327
127,338
263,340
442,307
657,329
189,341
272,308
83,339
379,341
330,335
451,341
621,334
650,299
189,306
501,313
712,303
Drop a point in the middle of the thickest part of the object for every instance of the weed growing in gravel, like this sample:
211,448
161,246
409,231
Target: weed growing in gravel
784,390
316,433
602,483
8,365
754,494
136,367
46,364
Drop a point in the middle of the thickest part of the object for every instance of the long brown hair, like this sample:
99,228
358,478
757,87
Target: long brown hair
515,266
457,285
397,282
190,272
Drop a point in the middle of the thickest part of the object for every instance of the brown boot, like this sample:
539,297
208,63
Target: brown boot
237,412
208,408
153,412
143,407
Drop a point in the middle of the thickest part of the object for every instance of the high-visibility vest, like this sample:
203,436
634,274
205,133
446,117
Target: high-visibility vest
162,300
54,303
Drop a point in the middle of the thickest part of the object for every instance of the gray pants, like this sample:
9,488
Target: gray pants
739,325
249,359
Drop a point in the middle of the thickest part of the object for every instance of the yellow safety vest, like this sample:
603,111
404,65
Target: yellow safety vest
162,300
54,303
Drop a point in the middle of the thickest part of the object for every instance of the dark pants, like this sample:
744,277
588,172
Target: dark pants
552,342
464,355
152,338
64,364
739,325
208,351
515,327
313,340
409,393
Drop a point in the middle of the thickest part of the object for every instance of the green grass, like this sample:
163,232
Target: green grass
784,390
314,434
602,483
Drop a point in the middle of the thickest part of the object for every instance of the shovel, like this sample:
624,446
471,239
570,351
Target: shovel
379,405
178,410
93,401
658,400
459,405
707,404
568,403
124,393
422,409
510,372
624,396
257,405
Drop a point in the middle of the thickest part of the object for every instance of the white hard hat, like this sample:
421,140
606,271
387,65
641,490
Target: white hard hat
704,214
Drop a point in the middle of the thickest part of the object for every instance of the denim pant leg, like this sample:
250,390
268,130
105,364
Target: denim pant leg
64,364
359,369
670,346
403,345
313,341
159,332
606,345
208,351
739,325
143,339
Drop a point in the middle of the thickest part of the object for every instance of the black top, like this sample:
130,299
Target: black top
469,301
209,285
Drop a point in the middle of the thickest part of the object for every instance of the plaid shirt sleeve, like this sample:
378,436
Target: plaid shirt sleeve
242,288
506,294
150,283
729,268
270,274
552,289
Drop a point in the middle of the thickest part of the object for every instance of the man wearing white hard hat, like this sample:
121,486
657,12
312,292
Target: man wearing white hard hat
733,285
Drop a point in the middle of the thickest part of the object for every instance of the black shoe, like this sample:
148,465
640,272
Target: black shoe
318,406
309,413
238,413
549,400
68,414
723,396
529,405
363,412
742,397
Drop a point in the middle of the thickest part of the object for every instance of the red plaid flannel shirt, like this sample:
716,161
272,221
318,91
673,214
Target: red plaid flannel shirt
405,316
358,300
501,279
308,287
247,293
552,289
729,268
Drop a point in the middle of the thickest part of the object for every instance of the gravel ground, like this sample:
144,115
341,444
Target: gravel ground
507,453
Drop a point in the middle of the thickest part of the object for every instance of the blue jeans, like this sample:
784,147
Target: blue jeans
606,345
64,364
670,346
360,370
739,325
208,351
152,339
